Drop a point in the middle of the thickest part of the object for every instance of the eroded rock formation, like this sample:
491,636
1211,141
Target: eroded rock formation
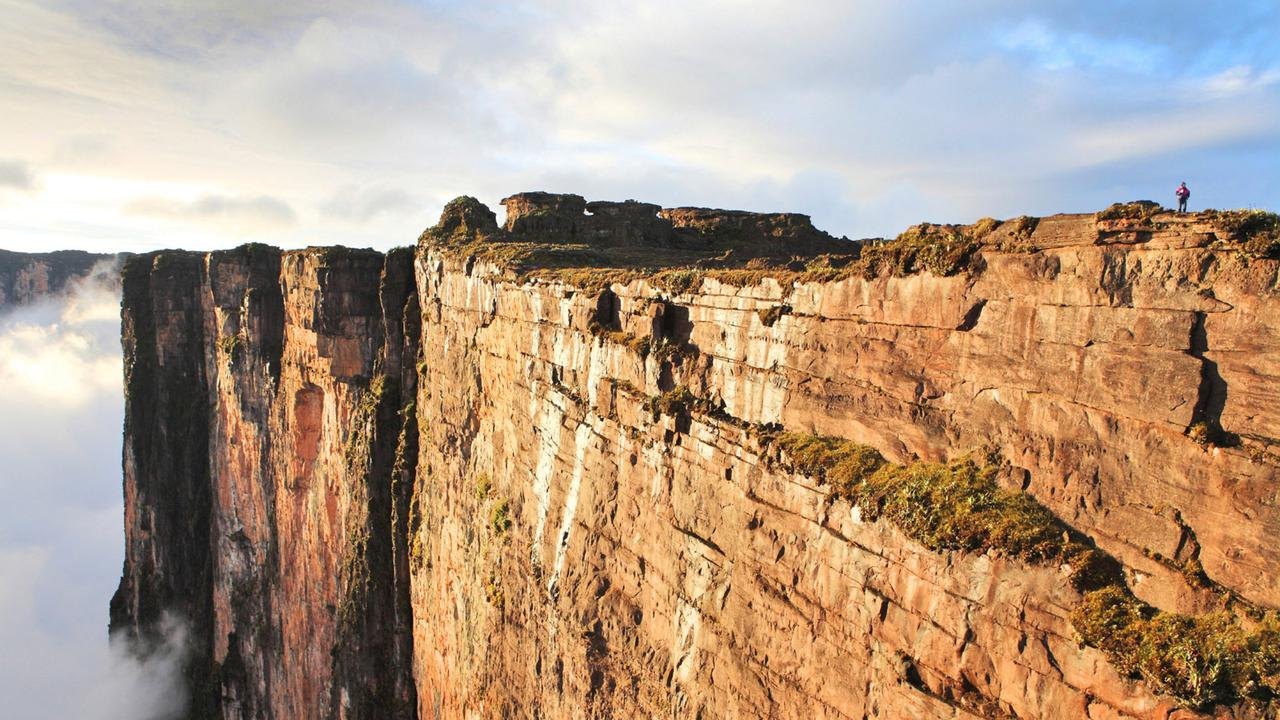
444,482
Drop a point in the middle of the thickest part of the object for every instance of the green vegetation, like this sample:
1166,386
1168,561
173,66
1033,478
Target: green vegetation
1137,213
417,545
639,345
941,249
1199,661
233,346
483,485
679,281
372,397
953,506
500,518
1257,232
1209,432
668,351
493,591
357,448
673,402
983,227
1020,230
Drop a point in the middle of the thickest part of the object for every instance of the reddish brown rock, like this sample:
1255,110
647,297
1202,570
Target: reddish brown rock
528,539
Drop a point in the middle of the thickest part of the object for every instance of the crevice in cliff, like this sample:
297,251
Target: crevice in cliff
971,316
372,657
1211,397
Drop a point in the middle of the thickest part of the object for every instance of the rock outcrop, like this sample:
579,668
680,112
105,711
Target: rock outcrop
447,483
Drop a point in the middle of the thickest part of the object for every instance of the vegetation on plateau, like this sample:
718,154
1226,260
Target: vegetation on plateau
1256,232
467,229
1137,213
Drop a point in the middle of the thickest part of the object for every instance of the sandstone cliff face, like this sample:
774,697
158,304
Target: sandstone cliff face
426,486
27,277
263,418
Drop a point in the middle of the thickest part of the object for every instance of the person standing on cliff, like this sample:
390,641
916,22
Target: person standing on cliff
1183,192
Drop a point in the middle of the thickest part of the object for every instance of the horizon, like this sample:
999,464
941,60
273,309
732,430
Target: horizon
501,215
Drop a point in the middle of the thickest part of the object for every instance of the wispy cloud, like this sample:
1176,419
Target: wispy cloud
362,204
16,175
242,214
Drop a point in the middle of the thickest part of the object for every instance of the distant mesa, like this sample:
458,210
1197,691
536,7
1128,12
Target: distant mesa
27,277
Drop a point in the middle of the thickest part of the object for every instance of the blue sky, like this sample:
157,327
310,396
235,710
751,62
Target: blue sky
158,123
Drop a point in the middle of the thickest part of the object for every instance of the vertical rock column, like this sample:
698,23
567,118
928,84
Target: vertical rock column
268,416
168,564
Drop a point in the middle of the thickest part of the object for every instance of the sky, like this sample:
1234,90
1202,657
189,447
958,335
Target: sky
208,123
61,534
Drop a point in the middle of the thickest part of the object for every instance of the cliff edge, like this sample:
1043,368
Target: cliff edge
611,460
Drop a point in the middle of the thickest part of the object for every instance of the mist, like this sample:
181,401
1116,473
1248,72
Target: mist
61,522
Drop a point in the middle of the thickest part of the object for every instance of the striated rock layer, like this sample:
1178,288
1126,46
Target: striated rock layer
424,485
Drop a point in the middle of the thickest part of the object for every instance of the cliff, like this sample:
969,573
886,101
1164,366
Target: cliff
608,460
27,277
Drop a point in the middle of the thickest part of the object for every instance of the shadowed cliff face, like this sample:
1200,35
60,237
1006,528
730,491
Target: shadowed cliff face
446,483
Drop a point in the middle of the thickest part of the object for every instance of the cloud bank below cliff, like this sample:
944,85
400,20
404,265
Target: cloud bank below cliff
61,541
353,122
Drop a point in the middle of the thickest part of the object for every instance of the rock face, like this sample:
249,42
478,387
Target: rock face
27,277
264,474
417,485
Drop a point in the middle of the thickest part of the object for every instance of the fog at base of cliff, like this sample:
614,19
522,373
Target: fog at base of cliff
61,536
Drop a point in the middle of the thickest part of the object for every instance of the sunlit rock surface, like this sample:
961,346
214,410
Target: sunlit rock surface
423,485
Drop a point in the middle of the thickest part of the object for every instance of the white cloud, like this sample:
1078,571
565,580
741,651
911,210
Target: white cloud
993,106
61,541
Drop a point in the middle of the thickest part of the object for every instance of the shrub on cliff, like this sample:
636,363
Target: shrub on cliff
1256,231
841,463
1199,661
959,506
500,518
772,314
1138,212
941,249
